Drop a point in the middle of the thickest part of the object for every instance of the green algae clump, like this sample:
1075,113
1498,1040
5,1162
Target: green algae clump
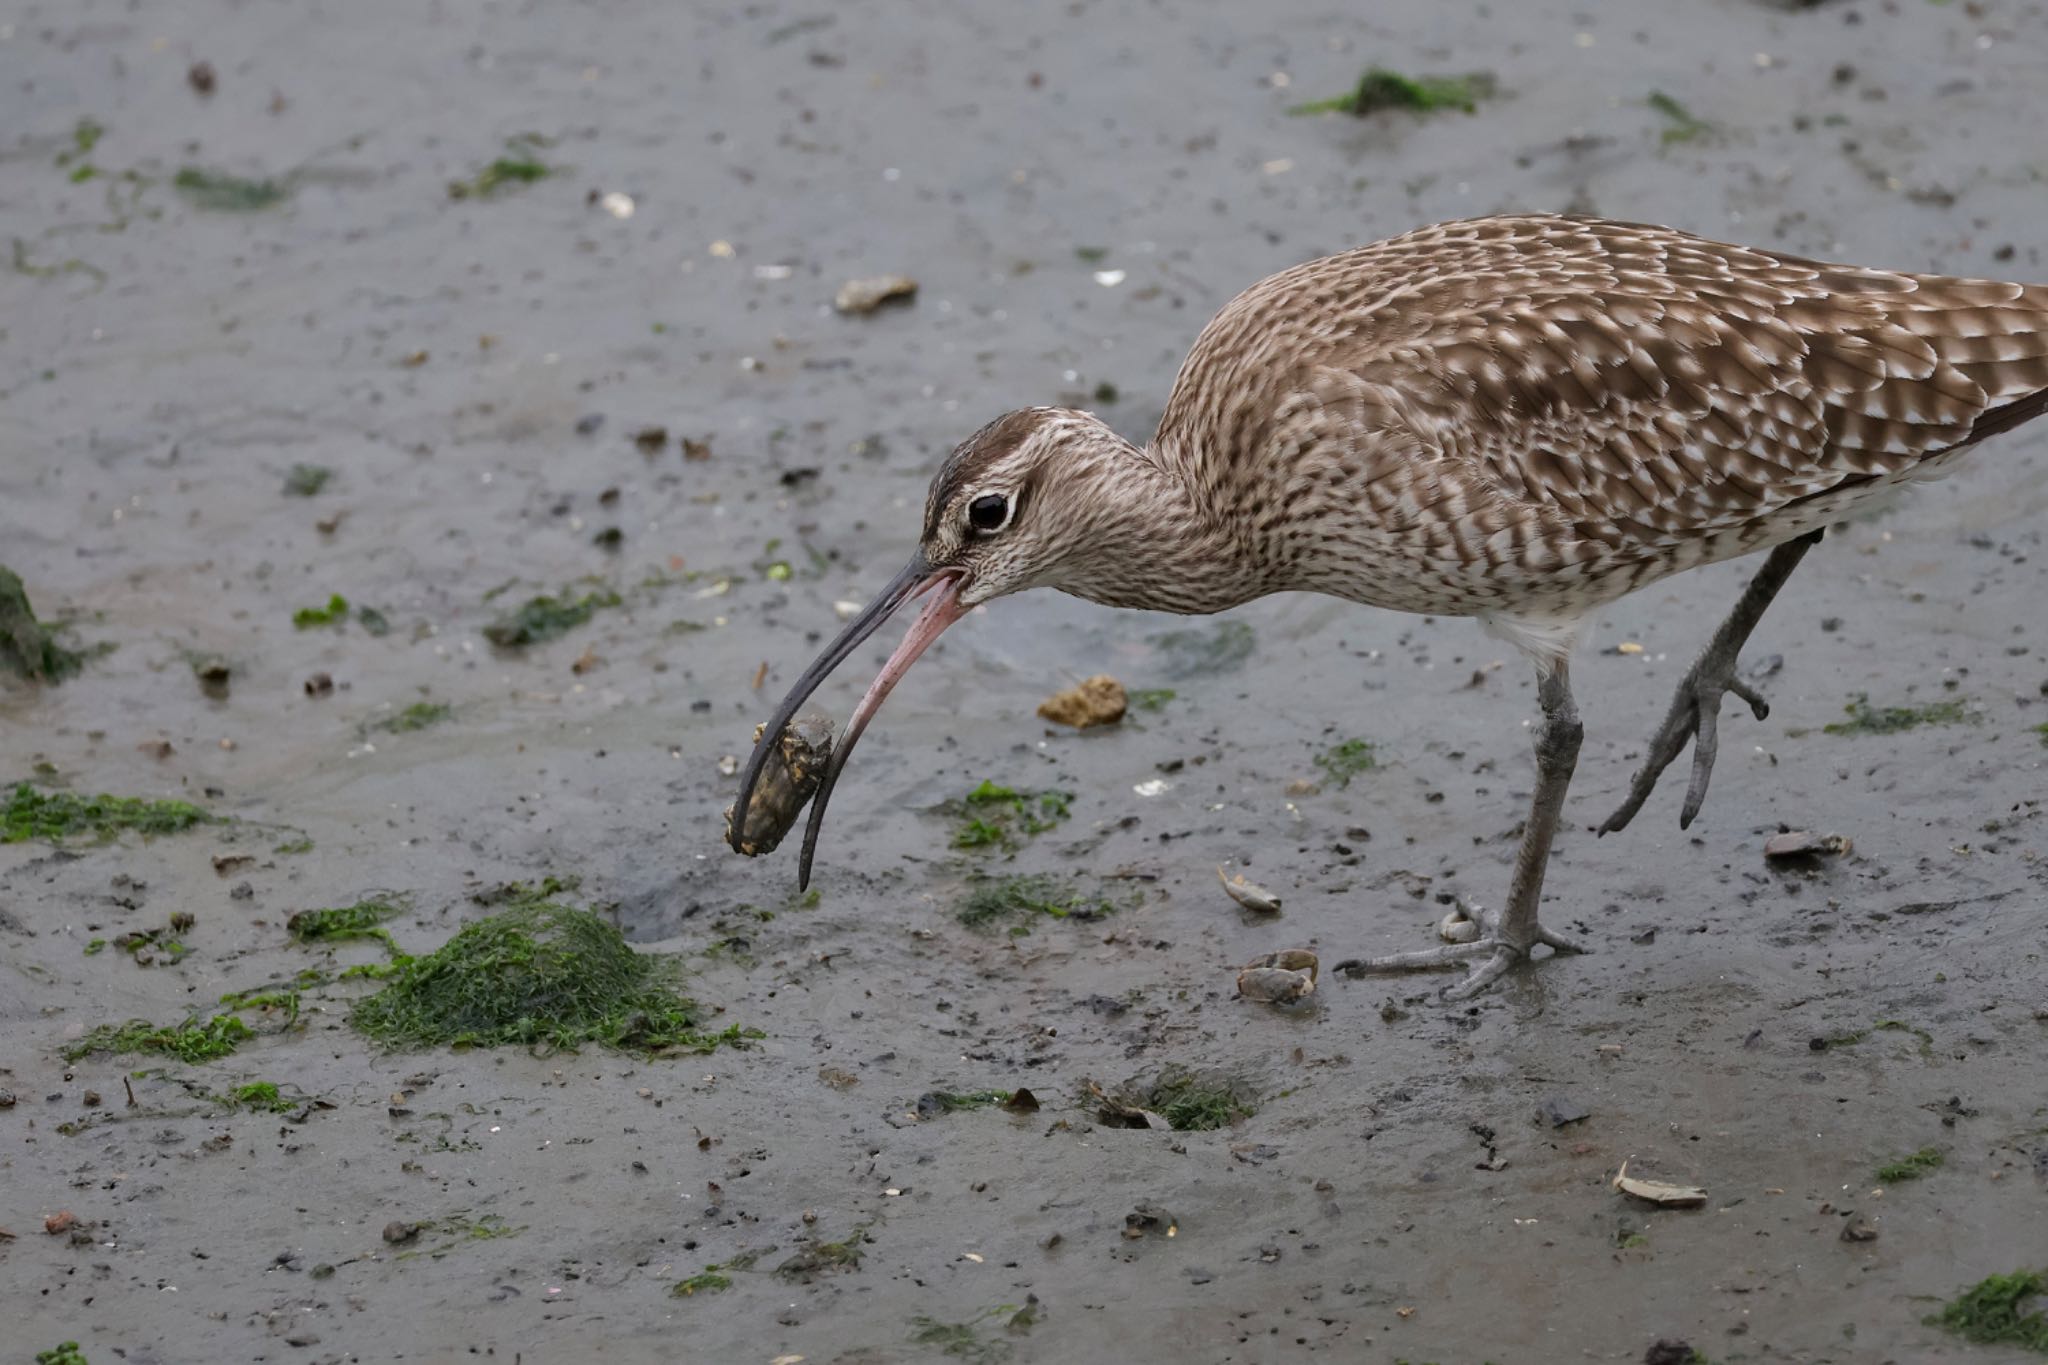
519,166
1988,1312
544,618
55,815
1684,124
263,1096
419,716
333,614
538,973
708,1281
363,920
1910,1167
1348,760
28,646
1380,89
999,815
1009,898
191,1042
1865,719
1194,1104
224,193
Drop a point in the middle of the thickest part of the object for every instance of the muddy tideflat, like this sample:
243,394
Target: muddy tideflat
1075,191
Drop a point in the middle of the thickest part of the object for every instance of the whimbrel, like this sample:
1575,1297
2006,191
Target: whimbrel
1519,419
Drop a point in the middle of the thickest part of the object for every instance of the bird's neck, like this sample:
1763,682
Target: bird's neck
1170,551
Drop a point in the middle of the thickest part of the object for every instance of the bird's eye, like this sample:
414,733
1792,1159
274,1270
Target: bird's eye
989,512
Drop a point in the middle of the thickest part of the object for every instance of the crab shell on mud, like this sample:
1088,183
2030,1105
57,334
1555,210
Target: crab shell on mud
1279,978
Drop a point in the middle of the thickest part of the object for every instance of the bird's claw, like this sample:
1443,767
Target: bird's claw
1497,953
1695,714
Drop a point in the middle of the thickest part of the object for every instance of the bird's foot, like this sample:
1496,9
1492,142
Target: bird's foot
1695,714
1492,953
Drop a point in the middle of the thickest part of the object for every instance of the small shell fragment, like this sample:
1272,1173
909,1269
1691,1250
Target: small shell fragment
1457,926
1248,894
788,781
1657,1192
1279,978
1805,844
866,295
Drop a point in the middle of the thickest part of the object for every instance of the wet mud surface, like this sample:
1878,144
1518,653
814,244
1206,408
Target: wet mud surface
1076,189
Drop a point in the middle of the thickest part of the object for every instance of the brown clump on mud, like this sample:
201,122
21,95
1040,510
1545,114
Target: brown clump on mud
1099,700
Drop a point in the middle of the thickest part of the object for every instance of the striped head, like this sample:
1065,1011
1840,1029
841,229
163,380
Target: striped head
1032,500
1040,497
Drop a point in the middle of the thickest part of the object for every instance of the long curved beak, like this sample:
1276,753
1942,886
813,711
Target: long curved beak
941,610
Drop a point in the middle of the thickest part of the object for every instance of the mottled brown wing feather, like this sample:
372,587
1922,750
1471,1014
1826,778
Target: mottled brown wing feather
1627,387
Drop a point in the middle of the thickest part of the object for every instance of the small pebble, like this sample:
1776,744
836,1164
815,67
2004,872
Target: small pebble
1558,1110
866,295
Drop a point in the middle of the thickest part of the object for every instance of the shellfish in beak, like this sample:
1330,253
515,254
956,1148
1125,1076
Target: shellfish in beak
941,590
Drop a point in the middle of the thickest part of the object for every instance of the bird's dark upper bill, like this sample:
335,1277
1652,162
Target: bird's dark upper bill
940,611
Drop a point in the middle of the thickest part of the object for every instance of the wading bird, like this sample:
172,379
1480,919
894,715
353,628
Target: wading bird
1519,419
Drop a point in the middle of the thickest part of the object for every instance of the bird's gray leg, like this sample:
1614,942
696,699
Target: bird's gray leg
1512,935
1696,709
